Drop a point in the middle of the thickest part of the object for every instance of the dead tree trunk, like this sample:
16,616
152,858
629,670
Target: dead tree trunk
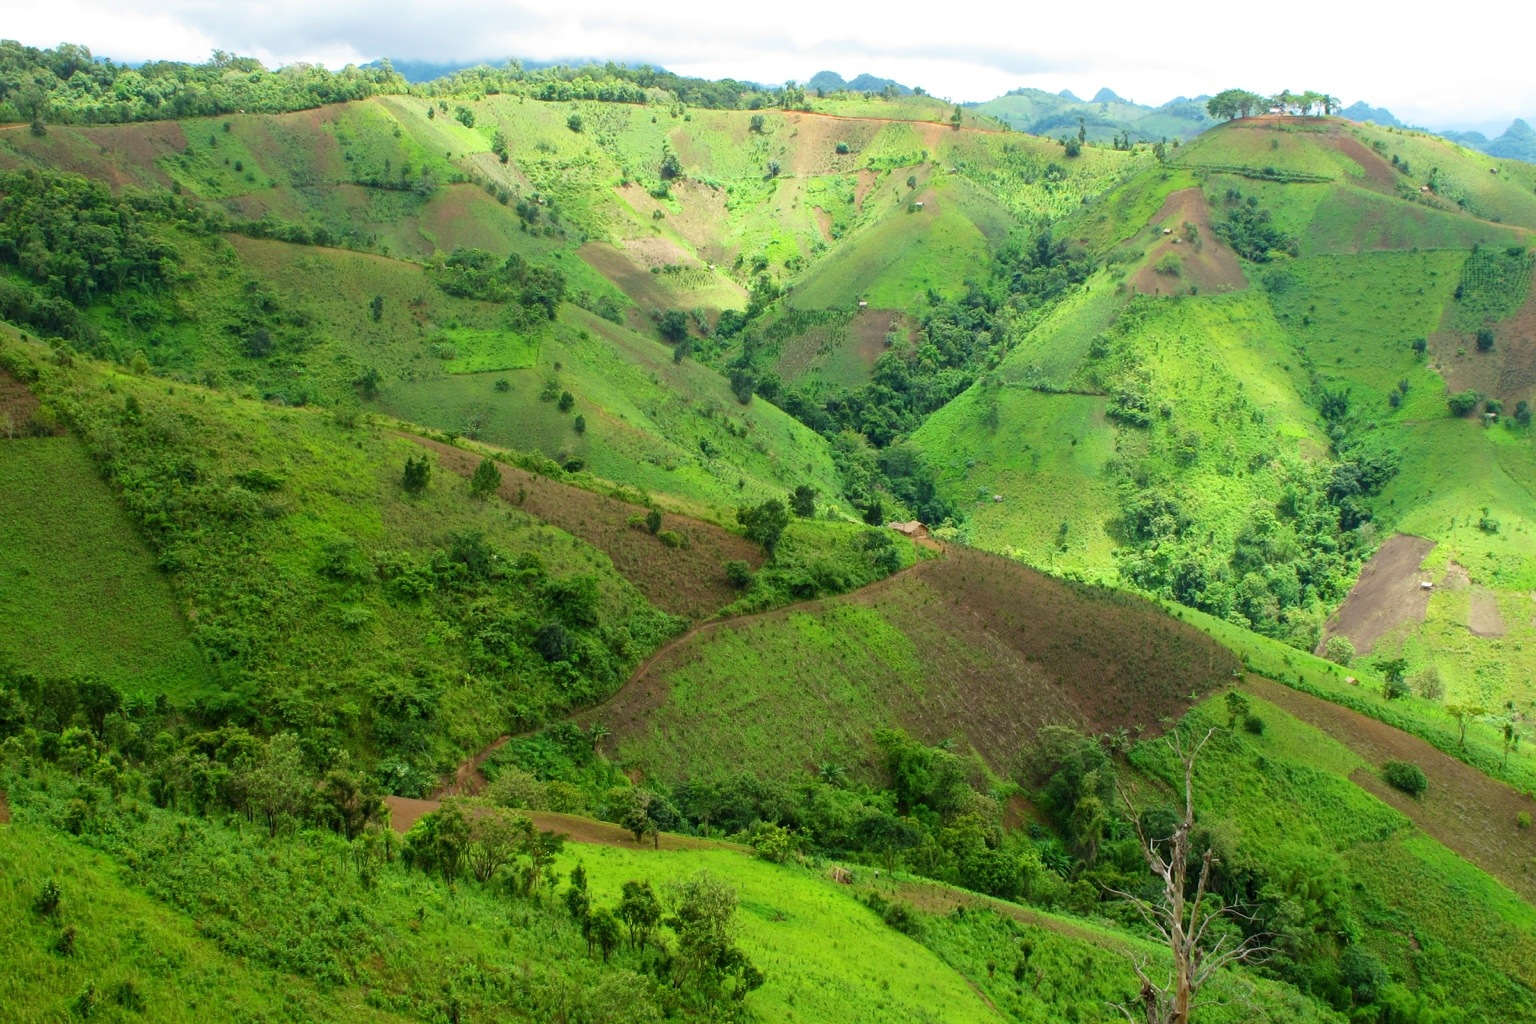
1182,921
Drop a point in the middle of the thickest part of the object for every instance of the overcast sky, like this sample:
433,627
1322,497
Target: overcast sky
1437,69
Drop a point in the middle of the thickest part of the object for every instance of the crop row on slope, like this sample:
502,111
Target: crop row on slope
969,646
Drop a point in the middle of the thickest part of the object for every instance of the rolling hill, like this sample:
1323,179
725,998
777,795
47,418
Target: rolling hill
538,429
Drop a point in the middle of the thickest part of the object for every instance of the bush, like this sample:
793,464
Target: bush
1253,725
46,903
739,574
1405,776
842,148
1427,682
1463,402
1523,820
653,520
1339,650
1485,339
671,538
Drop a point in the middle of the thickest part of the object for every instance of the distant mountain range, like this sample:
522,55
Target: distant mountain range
1104,117
831,81
1037,112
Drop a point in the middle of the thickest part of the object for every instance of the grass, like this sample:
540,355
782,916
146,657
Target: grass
1045,459
81,594
968,647
129,942
249,556
1441,925
861,969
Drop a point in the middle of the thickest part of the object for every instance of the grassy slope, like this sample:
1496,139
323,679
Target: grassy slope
127,938
1347,312
305,639
969,647
861,970
1286,800
79,591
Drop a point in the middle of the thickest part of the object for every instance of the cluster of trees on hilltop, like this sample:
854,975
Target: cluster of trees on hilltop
1234,103
67,85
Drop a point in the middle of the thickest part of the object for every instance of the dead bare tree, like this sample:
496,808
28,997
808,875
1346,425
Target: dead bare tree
1182,921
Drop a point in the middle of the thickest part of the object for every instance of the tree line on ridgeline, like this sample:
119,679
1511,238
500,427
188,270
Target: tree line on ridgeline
1234,103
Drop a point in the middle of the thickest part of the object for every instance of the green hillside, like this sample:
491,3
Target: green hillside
396,476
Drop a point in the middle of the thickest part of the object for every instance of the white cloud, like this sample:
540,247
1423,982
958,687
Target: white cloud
1428,68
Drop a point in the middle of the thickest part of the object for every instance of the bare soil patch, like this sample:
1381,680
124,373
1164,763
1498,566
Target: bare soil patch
1377,170
1464,809
17,405
1483,617
1508,372
632,278
683,581
1206,263
867,179
823,223
5,809
1387,594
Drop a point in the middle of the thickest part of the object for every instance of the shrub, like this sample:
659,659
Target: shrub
653,520
739,574
842,148
574,122
671,538
901,917
486,481
46,903
1339,650
1523,820
1462,402
1427,682
1253,725
566,402
1405,776
1485,339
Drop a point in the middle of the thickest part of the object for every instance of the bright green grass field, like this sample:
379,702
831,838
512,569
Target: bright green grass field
860,971
178,974
79,592
651,423
1045,459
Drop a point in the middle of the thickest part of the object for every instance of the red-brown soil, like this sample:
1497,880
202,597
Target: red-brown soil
683,581
1508,372
1207,263
1386,595
1464,809
1378,172
5,809
17,405
1005,650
